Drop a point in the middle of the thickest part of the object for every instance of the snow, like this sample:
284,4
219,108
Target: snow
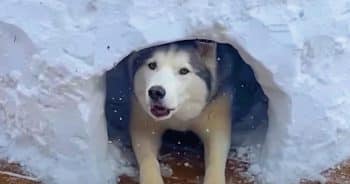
166,170
54,53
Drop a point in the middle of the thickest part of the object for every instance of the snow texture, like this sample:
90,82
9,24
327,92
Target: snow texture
53,55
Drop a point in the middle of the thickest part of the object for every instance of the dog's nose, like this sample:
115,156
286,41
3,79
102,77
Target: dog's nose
156,92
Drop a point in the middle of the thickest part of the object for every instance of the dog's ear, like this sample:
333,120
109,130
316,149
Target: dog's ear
131,64
207,53
206,49
136,59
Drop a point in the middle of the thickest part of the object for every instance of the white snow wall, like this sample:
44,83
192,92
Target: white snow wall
53,55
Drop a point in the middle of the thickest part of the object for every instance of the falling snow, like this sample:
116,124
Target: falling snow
51,114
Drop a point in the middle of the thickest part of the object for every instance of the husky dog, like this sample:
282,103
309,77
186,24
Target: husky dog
178,86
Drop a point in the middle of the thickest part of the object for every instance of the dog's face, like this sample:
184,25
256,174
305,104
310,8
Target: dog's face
175,82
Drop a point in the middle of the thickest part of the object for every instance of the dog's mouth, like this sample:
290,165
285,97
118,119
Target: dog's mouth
159,110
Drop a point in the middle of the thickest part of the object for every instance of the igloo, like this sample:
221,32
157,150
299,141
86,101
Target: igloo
53,56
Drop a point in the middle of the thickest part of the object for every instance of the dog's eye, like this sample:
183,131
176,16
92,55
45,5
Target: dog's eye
184,71
152,65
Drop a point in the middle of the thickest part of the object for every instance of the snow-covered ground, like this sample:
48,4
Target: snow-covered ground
53,55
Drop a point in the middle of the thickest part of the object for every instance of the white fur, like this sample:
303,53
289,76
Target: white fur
188,95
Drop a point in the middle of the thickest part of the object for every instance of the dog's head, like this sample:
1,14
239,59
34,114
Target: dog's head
174,80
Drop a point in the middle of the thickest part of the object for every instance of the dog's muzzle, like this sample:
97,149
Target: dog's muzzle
158,109
156,93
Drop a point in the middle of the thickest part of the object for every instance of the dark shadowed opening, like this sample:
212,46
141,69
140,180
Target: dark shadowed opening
249,107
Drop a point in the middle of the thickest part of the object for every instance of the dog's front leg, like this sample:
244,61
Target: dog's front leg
216,150
146,144
214,128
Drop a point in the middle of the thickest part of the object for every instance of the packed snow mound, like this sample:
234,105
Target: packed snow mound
53,55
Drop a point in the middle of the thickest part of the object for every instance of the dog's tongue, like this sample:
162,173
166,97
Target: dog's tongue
159,110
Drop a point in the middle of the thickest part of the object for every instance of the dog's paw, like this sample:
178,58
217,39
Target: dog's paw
214,179
151,179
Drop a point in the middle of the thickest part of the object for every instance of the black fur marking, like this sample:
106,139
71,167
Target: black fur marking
202,71
137,59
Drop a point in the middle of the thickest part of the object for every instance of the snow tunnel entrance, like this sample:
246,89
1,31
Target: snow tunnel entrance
249,106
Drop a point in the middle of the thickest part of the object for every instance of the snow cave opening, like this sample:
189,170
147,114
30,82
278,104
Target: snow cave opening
249,108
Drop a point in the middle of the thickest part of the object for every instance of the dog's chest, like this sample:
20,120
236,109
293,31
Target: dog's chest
178,125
